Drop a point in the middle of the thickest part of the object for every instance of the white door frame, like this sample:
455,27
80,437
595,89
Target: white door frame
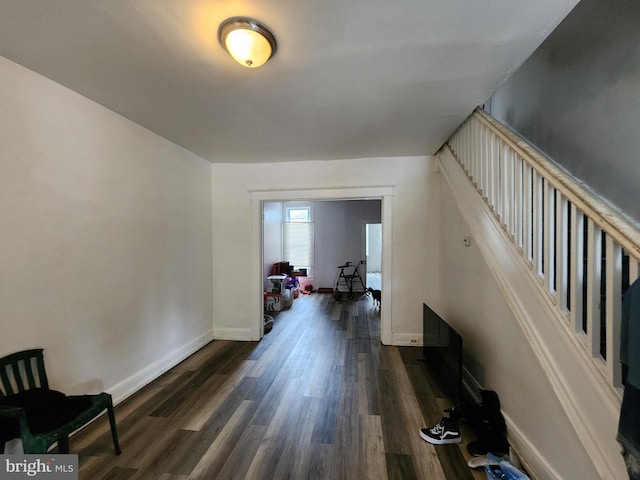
256,287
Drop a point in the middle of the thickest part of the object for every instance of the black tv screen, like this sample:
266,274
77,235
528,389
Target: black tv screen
442,349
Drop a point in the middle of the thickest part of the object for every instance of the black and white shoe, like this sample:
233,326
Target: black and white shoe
447,431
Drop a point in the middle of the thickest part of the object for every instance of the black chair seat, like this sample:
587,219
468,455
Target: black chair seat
45,410
38,415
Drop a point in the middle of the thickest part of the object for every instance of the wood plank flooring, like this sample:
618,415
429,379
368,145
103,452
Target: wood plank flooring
318,398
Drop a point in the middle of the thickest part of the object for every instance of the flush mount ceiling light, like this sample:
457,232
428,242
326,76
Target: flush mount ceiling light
248,41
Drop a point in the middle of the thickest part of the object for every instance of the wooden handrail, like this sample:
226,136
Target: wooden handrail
613,222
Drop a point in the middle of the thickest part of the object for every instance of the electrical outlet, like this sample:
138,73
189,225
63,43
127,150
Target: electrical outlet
466,241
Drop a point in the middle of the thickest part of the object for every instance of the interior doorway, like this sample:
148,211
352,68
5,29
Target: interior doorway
258,198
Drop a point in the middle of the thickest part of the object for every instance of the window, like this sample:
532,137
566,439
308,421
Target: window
298,238
298,214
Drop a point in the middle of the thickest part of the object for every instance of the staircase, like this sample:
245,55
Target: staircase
562,258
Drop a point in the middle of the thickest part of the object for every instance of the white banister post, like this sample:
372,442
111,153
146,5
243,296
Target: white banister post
528,197
487,136
562,247
577,268
504,186
613,310
477,152
549,238
594,275
519,202
537,222
483,152
494,194
512,198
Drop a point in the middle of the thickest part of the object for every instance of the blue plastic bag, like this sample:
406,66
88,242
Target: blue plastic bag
503,471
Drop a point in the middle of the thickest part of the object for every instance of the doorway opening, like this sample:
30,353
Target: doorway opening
373,249
259,199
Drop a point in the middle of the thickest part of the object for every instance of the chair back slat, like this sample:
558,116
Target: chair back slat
21,371
7,388
29,372
17,375
42,374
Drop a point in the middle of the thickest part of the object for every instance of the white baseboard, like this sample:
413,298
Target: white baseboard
407,339
135,382
238,334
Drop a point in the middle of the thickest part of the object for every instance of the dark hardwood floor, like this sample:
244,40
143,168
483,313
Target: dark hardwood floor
318,398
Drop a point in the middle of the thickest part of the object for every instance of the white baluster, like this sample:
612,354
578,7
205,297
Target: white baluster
577,268
562,250
613,310
594,275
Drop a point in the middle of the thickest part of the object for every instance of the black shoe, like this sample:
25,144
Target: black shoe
499,446
447,431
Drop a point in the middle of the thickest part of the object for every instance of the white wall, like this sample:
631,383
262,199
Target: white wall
340,238
499,356
414,242
271,235
577,99
105,239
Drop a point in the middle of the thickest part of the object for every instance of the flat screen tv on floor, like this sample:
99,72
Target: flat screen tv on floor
442,349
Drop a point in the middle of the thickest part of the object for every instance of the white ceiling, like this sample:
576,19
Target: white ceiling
350,79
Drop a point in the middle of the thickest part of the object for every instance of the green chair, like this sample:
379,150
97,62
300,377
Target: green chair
31,411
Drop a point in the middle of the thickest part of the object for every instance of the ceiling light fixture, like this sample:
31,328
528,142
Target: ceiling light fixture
248,41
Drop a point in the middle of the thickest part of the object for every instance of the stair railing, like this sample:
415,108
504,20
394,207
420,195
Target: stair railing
583,252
